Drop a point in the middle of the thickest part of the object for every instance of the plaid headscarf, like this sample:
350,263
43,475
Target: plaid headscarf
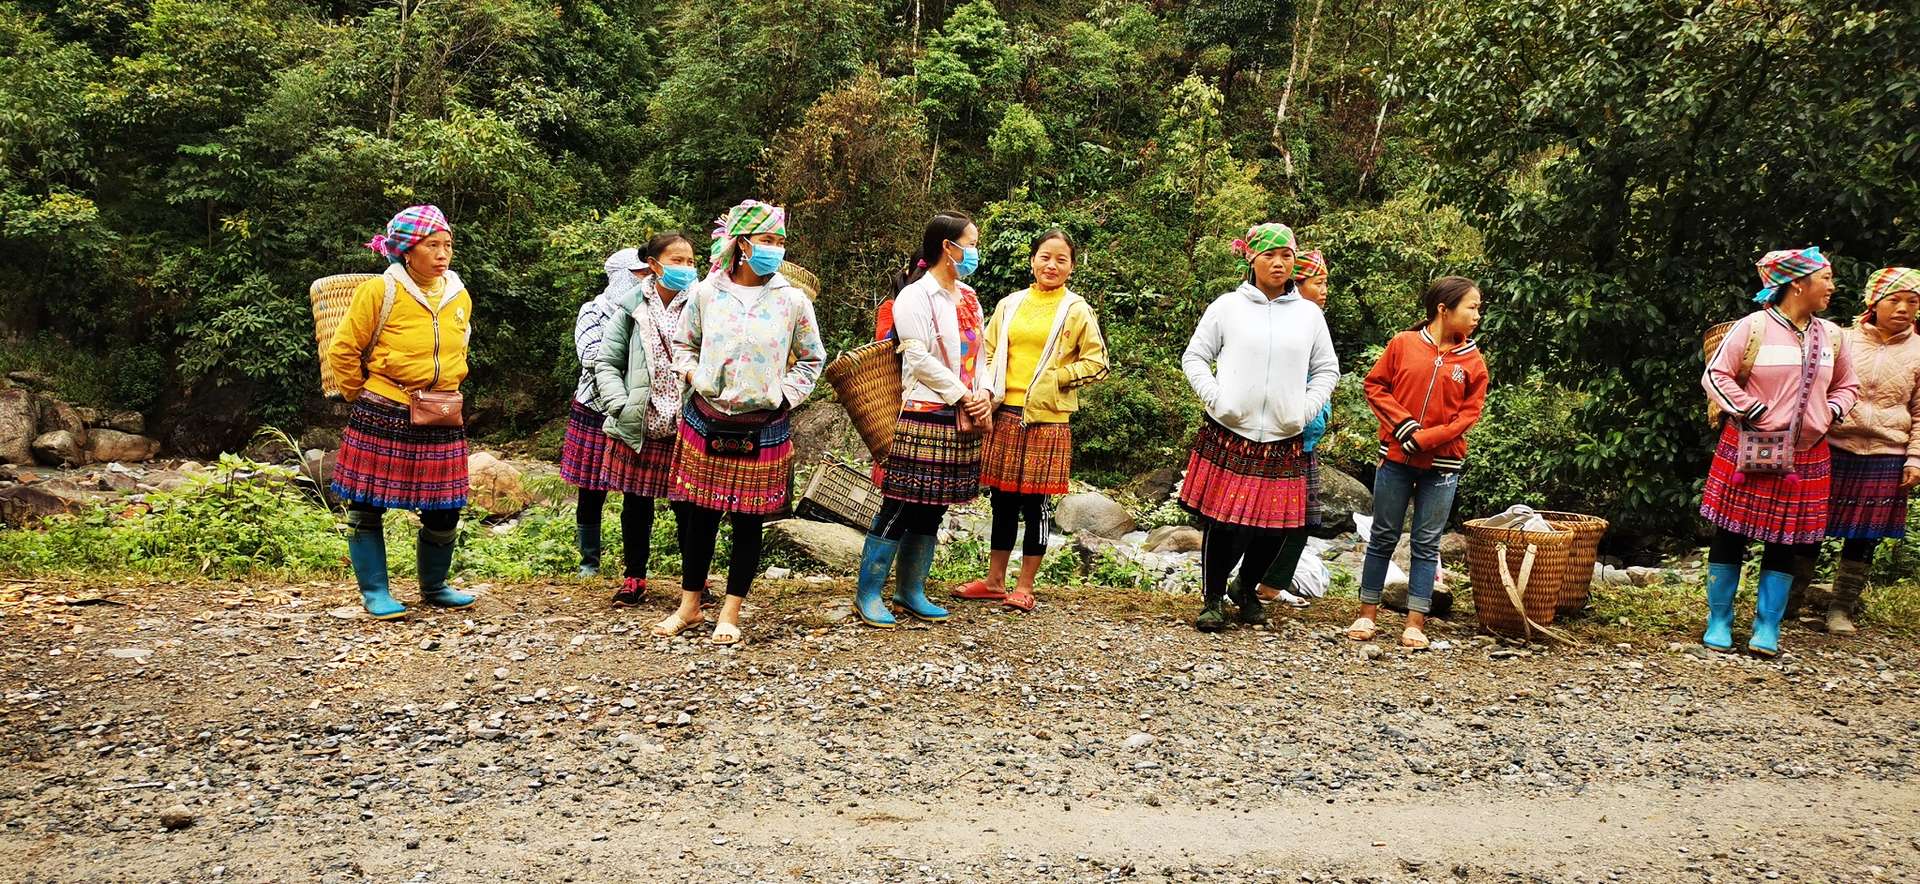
1888,280
1309,264
407,229
748,218
1261,237
1777,268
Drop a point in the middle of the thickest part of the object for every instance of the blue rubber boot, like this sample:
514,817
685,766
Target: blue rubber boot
367,549
589,550
876,560
1722,582
910,580
1767,611
434,554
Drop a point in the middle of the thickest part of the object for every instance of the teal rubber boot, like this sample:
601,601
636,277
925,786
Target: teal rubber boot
434,554
1767,611
1722,582
589,550
367,549
876,560
910,578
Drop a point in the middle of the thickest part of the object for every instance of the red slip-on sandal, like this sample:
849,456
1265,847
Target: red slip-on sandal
1020,600
979,591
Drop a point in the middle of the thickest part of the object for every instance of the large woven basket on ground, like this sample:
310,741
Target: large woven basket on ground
1509,562
1581,554
866,380
330,296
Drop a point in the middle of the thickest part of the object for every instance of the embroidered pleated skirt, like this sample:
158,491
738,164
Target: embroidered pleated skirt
931,461
1233,480
756,484
647,472
1768,508
1866,501
385,461
583,452
1023,458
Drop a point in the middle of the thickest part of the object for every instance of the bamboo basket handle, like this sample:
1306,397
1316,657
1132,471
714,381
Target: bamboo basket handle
1516,591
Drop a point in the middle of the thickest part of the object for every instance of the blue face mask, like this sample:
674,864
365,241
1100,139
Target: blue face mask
766,259
969,261
677,277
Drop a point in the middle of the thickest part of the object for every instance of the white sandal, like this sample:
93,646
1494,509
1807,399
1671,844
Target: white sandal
675,624
725,633
1363,630
1413,639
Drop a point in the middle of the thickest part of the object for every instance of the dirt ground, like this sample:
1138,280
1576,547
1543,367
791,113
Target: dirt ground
226,732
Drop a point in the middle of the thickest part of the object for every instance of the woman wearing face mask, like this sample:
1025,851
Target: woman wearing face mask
638,390
1042,346
1428,390
1263,364
386,460
1801,378
1876,450
583,451
1310,278
935,459
749,350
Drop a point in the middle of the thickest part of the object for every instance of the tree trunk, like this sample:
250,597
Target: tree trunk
1296,70
399,65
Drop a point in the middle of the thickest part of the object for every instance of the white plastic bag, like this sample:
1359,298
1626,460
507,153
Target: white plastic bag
1311,578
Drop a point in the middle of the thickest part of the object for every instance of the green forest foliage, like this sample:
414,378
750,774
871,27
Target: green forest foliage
174,172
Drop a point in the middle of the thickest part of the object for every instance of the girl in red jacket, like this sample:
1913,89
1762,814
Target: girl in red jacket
1427,390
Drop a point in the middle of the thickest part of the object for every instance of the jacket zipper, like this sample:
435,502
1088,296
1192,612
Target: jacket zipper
1438,360
436,352
1268,380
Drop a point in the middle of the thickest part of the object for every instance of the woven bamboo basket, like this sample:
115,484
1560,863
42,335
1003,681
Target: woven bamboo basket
866,380
331,295
1537,582
803,278
840,493
1581,554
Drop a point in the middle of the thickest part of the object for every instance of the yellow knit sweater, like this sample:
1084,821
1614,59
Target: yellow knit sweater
1027,337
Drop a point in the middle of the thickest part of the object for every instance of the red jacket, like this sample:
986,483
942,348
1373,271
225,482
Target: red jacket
1427,399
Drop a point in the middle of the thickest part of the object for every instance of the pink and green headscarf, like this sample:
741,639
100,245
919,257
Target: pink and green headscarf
1309,264
407,229
747,219
1777,268
1261,238
1888,280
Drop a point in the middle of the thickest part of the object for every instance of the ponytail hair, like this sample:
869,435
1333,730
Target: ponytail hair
946,226
1448,292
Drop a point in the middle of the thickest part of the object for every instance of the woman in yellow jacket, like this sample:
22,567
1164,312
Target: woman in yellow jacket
386,460
1042,345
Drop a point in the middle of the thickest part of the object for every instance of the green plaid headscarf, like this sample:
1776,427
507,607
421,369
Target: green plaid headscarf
748,218
1262,237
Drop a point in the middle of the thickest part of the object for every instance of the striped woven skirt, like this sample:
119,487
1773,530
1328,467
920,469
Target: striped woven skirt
386,461
1315,512
1236,481
758,484
583,453
1867,501
1768,508
647,472
1026,458
930,461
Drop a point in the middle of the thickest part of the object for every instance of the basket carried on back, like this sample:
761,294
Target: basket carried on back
1511,565
866,379
803,278
331,295
1581,554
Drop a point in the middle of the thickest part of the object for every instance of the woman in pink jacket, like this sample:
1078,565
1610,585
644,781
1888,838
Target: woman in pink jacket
1800,379
1876,452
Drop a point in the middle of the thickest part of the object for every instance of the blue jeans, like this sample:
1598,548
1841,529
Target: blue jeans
1431,492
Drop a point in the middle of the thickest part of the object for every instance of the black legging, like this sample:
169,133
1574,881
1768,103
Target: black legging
699,530
636,526
898,518
1223,546
1009,511
1729,548
437,521
1859,549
